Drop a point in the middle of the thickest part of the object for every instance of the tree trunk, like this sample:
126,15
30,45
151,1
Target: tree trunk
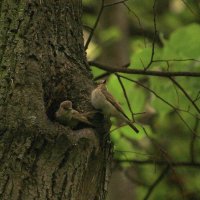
42,63
116,52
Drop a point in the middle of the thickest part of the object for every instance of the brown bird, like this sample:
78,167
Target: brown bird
67,116
103,100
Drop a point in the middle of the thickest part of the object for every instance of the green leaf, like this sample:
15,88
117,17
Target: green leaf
183,43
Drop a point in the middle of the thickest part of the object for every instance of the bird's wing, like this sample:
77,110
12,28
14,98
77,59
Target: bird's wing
111,99
63,116
80,117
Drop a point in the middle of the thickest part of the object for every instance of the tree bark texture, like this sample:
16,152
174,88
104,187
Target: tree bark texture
42,62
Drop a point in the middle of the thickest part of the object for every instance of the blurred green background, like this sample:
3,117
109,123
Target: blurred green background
162,161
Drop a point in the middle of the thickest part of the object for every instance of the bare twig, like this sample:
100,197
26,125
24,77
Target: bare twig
95,25
115,3
162,99
159,162
157,181
102,76
185,93
177,60
190,9
125,95
192,143
122,125
138,19
143,72
134,180
103,5
177,94
87,27
135,152
154,38
197,97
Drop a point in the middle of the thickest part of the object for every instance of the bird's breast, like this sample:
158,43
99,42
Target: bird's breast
100,102
97,99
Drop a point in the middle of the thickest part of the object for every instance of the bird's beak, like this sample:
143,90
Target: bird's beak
101,82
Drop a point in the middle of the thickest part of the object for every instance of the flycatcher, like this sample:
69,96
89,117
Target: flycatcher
103,100
67,116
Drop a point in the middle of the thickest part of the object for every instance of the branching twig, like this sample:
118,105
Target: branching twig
125,95
95,25
177,94
192,143
159,162
154,38
185,93
103,5
138,19
197,97
157,181
134,180
143,72
177,60
190,9
162,99
115,3
102,76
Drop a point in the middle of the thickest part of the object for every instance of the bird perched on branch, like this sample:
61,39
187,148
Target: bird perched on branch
67,116
103,100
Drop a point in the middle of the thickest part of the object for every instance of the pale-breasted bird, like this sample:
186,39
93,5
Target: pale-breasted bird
67,116
103,100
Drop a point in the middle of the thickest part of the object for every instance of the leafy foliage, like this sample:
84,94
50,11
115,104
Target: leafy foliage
169,125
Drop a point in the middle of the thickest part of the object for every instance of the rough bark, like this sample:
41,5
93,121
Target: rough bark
42,62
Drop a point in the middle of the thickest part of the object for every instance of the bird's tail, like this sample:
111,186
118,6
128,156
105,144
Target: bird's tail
124,118
132,126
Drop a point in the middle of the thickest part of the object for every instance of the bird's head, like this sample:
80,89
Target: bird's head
102,81
66,105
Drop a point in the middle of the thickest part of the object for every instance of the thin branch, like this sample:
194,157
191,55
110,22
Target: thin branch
137,153
177,60
87,27
162,151
103,5
124,124
101,76
154,37
166,157
177,94
185,93
138,19
192,143
197,97
115,3
134,180
157,181
159,162
190,9
142,72
164,154
95,25
125,95
162,99
192,114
